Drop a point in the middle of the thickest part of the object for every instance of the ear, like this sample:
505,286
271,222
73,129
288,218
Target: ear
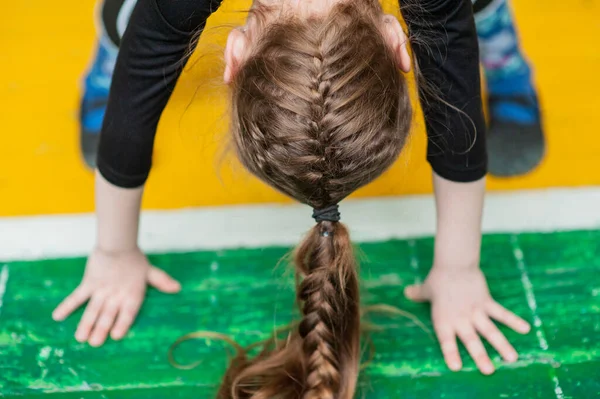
235,53
397,40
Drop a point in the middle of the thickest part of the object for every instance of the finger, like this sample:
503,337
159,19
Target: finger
127,315
416,293
447,339
105,321
492,334
162,281
71,303
89,318
506,317
475,347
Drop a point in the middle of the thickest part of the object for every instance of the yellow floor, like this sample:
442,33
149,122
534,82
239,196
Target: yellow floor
46,48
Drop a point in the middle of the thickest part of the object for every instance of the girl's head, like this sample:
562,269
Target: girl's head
319,109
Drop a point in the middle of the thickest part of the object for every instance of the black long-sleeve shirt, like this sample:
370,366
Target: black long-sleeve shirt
156,45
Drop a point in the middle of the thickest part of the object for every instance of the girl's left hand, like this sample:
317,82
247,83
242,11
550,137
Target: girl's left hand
461,305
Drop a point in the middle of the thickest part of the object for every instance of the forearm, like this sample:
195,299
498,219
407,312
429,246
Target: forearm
117,214
461,304
459,208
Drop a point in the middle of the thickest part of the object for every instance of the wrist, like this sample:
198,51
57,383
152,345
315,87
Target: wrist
456,257
116,250
456,267
458,264
457,254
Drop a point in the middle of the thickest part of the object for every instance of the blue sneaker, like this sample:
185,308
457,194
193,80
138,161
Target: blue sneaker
516,143
515,147
95,99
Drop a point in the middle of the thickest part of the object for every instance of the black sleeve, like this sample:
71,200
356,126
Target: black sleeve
155,47
444,43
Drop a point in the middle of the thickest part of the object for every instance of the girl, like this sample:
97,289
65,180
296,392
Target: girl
319,109
516,143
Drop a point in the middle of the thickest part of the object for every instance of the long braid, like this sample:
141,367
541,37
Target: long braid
319,110
330,312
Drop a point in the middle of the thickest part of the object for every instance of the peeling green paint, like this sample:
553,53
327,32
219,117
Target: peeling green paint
40,358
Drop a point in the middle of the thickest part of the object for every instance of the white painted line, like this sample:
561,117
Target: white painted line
23,238
3,282
532,303
557,389
414,260
529,294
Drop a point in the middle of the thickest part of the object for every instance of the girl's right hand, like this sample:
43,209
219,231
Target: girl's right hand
114,285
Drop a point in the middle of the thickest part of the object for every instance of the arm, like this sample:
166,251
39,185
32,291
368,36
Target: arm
447,54
461,304
153,51
459,208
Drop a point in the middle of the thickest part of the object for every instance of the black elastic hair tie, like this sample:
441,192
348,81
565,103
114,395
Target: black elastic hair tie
328,214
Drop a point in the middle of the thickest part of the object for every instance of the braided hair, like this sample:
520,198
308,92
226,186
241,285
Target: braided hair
318,110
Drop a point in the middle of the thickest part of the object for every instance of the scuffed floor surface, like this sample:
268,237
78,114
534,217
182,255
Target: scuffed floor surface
556,281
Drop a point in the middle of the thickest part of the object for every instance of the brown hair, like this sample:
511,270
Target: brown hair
318,110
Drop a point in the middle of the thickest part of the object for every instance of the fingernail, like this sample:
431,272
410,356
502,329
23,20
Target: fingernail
512,357
488,369
79,337
455,366
95,342
525,327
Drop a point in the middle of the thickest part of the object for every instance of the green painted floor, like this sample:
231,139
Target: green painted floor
238,292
